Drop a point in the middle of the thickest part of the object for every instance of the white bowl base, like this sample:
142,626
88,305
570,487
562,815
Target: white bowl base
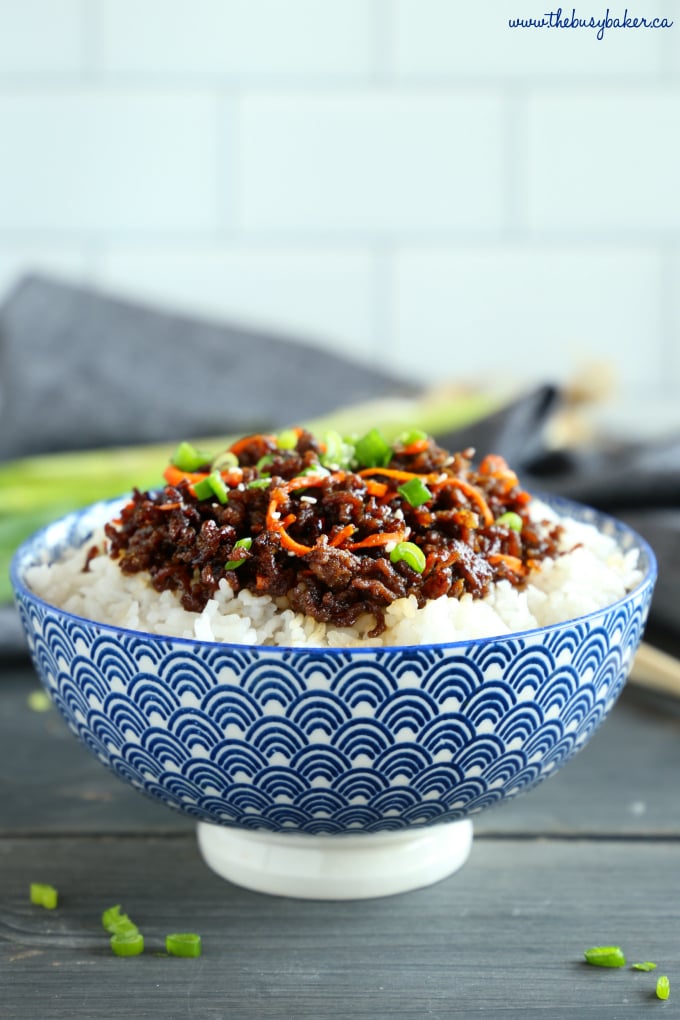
336,867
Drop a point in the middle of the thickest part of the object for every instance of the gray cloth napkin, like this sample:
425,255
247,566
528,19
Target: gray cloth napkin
81,370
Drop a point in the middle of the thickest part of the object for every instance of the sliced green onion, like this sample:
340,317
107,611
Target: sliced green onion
243,543
258,483
265,461
287,440
645,965
415,492
605,956
511,520
410,436
115,922
39,701
373,450
338,452
183,944
224,461
44,895
187,458
131,944
663,987
411,554
110,917
211,486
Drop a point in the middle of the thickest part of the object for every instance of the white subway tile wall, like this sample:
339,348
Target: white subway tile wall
413,182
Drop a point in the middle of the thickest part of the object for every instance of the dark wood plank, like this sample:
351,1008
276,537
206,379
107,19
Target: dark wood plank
503,938
624,782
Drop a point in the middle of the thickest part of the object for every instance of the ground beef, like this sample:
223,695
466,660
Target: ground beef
320,543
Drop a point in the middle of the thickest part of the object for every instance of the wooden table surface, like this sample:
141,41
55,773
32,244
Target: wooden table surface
591,857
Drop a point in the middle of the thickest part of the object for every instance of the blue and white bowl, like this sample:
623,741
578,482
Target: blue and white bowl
331,773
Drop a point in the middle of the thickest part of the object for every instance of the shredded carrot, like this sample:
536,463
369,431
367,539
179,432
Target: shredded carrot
381,539
513,563
493,464
289,543
241,444
344,533
417,446
470,491
401,476
169,506
309,481
278,526
232,476
174,475
378,489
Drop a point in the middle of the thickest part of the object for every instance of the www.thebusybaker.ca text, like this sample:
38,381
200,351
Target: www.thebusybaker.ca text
558,19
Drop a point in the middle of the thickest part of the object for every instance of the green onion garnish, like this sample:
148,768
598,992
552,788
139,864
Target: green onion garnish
663,987
645,965
124,944
415,492
115,922
411,554
212,486
338,453
373,450
110,917
258,483
411,436
187,458
224,461
39,701
44,895
287,440
183,944
511,520
243,543
265,461
605,956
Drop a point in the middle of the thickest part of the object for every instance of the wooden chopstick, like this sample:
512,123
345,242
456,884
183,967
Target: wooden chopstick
656,670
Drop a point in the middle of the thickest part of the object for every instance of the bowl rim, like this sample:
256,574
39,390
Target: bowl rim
579,512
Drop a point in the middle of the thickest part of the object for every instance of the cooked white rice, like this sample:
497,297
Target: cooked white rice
590,573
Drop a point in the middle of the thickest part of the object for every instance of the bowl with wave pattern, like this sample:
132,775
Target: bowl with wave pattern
331,773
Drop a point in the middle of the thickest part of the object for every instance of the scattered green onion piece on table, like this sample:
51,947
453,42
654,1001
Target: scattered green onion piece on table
663,987
115,922
415,492
605,956
183,944
511,520
110,917
287,440
39,701
411,554
44,895
373,450
645,965
243,543
259,483
211,486
187,458
127,944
